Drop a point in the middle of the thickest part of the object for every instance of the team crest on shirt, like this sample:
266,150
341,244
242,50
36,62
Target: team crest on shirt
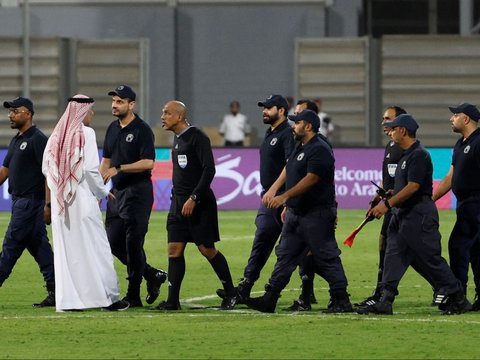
388,156
404,165
129,138
23,145
182,161
300,156
467,149
274,141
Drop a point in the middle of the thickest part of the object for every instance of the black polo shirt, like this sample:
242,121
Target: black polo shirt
193,164
392,155
275,149
128,145
416,166
24,163
466,166
314,157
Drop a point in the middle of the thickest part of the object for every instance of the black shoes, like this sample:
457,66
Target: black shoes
299,305
50,299
243,291
229,302
133,301
265,303
368,301
457,304
376,307
153,285
120,305
339,302
165,306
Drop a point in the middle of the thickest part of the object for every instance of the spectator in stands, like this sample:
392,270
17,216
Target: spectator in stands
234,127
326,125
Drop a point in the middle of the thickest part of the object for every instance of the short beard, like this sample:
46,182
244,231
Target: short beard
271,119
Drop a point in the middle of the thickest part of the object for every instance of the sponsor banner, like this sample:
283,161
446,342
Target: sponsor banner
237,180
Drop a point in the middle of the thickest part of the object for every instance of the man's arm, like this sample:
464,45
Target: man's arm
270,194
400,197
136,167
444,186
300,188
3,174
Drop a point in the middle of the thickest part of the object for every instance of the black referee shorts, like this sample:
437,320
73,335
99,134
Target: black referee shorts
201,228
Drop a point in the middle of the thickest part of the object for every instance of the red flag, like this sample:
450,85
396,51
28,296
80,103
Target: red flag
350,238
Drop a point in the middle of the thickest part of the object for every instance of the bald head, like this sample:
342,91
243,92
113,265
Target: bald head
174,116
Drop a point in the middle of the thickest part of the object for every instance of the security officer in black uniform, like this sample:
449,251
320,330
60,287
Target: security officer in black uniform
413,231
193,211
23,168
128,158
309,217
463,179
275,149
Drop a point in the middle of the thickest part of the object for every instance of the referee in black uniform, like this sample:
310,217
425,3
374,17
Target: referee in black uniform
275,149
26,183
463,179
193,210
128,158
413,231
309,217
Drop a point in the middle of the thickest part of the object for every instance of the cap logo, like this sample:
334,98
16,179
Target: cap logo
404,165
182,161
300,157
273,142
467,149
121,87
269,97
23,145
129,138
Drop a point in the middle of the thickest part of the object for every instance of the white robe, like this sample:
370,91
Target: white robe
84,272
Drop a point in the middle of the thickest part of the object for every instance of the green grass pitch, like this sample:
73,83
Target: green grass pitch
415,331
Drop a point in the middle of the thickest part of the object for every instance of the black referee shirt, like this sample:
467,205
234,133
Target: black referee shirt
466,166
193,164
416,166
392,155
275,149
127,145
24,163
314,157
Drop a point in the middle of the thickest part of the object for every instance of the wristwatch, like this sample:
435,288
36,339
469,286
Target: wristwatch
119,168
193,197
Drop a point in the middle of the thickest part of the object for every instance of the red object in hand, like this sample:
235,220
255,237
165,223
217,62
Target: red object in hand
350,238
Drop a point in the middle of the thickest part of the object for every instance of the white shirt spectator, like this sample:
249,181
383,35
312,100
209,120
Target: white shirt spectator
234,128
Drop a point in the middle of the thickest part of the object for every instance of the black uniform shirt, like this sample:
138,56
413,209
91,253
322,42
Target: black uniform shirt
393,153
274,152
193,164
127,145
466,166
24,163
314,157
415,165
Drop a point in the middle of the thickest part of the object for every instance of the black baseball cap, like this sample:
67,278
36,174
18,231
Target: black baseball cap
19,102
468,109
124,91
308,116
274,100
403,120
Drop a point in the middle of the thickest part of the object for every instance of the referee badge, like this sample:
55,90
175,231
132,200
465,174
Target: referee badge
273,142
182,161
23,145
467,149
300,157
129,138
391,169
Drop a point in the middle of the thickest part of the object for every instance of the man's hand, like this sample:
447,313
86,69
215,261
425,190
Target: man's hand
268,196
108,174
379,210
283,214
47,214
277,201
187,209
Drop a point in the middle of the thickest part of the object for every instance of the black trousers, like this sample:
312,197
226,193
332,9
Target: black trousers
314,231
413,236
127,224
27,230
269,227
